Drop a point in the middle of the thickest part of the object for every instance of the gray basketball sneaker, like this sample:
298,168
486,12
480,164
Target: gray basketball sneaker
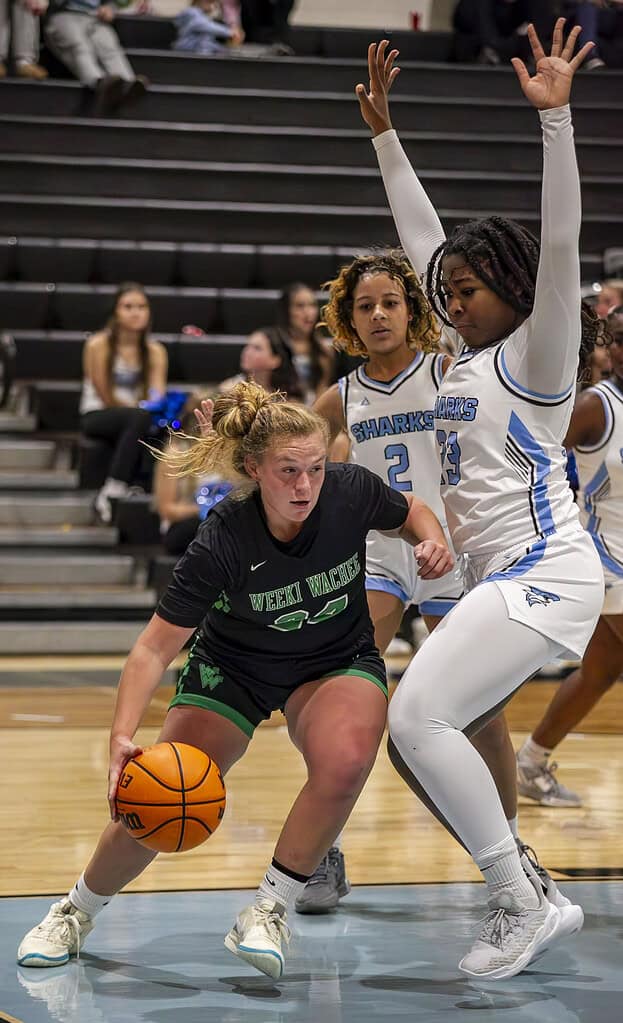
539,782
327,885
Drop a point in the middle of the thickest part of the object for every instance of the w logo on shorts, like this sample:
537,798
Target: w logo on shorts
210,677
536,596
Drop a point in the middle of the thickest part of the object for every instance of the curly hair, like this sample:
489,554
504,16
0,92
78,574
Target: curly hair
505,256
422,330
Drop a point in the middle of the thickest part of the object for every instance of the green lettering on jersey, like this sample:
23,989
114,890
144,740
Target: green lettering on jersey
274,600
337,576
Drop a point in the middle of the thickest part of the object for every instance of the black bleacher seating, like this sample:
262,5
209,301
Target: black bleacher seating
57,356
158,33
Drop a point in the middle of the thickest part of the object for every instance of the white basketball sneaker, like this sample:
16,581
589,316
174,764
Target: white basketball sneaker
571,916
59,936
257,937
512,935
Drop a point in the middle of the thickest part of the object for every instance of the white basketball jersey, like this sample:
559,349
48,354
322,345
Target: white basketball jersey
600,472
391,428
503,467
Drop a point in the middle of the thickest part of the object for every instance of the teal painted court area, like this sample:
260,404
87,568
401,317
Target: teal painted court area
390,952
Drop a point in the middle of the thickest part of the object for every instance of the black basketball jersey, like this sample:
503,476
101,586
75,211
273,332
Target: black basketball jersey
262,599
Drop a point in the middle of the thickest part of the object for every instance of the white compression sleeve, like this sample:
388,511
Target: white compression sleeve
415,217
543,354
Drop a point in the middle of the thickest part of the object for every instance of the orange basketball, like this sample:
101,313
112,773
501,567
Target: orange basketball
171,797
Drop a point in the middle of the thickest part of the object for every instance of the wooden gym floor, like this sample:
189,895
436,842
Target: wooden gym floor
53,759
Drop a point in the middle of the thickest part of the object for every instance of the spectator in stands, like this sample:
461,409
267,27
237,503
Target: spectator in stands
19,31
492,31
266,359
201,28
122,365
297,326
609,297
266,21
80,34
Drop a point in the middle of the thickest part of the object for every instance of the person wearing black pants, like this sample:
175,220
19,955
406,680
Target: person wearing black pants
122,366
488,27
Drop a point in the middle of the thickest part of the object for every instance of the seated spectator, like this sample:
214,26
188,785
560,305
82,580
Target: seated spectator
201,28
122,366
266,359
266,21
80,34
19,31
609,296
297,327
488,31
183,502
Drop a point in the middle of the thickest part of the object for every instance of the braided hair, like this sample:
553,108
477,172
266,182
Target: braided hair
505,256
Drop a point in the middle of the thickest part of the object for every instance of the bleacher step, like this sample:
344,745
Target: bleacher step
76,597
54,637
50,510
67,569
38,479
27,454
12,422
58,536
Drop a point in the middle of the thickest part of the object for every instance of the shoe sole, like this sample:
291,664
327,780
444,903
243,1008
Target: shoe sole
571,922
538,942
38,960
269,963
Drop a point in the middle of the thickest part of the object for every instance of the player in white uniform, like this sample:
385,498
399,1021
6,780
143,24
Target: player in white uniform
596,435
534,578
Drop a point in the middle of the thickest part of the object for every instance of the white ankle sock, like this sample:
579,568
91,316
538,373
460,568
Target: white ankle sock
533,753
338,841
85,900
280,885
514,825
502,870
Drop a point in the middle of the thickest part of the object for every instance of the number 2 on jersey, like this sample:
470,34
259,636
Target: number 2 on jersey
450,457
399,452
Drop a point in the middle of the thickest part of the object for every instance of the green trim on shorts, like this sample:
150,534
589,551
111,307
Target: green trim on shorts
361,674
194,700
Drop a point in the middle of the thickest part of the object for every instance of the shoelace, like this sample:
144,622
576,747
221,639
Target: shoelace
68,922
276,926
498,925
541,872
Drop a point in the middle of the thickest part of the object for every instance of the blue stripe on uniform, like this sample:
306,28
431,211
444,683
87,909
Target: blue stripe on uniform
606,559
526,390
379,582
542,465
438,606
522,566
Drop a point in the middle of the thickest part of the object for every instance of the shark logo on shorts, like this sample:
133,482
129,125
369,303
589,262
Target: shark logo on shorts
536,596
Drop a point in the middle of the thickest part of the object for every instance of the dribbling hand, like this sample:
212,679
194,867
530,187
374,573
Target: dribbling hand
374,103
550,86
122,749
203,416
434,559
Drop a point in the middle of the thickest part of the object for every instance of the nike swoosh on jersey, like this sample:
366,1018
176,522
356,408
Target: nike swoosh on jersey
259,565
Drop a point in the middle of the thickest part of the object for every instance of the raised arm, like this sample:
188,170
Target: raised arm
542,357
417,223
